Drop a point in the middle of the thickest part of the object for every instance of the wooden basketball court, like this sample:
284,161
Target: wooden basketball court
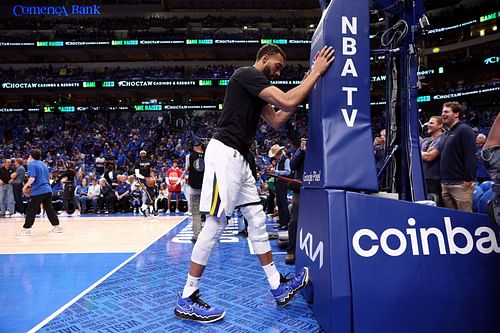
97,234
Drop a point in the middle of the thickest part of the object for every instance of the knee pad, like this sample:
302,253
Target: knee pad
257,228
207,238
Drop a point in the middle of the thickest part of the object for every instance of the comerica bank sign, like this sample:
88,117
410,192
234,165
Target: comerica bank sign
21,10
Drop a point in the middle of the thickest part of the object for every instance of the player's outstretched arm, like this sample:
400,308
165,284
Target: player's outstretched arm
288,101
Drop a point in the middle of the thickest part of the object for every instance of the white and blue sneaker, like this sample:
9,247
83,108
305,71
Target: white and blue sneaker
193,308
288,288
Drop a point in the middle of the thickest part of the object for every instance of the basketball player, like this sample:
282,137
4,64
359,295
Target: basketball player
142,167
228,182
142,170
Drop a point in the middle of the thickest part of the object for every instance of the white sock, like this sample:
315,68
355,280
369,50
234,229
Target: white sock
191,286
273,276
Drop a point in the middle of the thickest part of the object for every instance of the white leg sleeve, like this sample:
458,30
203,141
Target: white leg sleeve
257,228
207,238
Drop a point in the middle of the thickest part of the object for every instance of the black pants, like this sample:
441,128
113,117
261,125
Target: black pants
34,206
292,226
269,206
123,203
161,204
69,197
434,186
107,203
18,197
282,202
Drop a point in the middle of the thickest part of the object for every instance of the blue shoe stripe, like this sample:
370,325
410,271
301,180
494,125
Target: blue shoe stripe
288,297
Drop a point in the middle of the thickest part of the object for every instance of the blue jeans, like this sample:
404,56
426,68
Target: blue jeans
6,199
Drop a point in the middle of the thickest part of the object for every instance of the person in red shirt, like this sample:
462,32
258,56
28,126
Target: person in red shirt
174,176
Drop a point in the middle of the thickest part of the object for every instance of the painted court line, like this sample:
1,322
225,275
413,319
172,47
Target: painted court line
86,291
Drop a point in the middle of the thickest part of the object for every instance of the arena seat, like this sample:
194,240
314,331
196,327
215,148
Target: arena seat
476,196
482,206
486,185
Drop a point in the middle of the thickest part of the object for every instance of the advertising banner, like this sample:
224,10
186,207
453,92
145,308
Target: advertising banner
384,265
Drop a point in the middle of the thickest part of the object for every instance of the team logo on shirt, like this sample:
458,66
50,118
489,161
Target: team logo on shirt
199,165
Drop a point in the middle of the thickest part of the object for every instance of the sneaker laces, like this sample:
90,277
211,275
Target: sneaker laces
284,278
195,297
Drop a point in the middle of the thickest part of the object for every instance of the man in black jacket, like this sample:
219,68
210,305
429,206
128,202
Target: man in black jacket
458,163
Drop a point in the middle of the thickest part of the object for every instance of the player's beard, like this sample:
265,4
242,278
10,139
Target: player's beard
267,72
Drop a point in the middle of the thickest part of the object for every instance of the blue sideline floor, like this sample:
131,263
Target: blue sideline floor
140,296
33,286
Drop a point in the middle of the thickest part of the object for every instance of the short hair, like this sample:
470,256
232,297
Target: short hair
19,161
439,119
36,154
455,107
270,49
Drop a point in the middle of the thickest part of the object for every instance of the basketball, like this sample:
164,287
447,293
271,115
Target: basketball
27,191
150,181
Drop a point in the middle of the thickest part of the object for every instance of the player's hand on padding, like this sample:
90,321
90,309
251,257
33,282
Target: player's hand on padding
324,59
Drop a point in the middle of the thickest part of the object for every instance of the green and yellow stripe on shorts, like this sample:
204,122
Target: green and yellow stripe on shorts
214,207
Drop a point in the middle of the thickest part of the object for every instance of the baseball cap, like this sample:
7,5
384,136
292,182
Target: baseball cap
196,141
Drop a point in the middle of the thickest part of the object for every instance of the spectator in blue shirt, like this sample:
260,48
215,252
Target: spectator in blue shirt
40,193
122,194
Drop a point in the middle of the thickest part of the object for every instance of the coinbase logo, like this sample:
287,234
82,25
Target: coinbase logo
455,240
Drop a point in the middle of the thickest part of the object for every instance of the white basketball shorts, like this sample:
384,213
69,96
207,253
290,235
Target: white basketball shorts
228,182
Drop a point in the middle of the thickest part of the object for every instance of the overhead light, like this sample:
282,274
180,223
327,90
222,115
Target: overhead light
481,32
311,25
494,28
380,19
245,27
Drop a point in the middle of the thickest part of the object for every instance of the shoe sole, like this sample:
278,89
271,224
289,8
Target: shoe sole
294,291
199,319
